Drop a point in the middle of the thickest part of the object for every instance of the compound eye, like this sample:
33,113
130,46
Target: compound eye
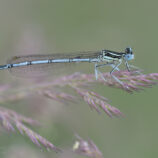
128,50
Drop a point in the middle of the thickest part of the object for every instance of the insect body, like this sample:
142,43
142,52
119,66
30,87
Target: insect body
107,57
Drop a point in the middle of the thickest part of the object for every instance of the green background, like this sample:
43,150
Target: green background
77,25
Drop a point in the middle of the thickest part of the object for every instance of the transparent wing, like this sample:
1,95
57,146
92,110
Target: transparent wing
80,55
45,69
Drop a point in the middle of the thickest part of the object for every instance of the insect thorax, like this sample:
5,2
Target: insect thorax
110,56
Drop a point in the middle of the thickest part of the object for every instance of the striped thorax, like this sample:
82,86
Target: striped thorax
110,56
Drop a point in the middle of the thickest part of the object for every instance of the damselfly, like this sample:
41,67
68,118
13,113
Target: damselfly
99,58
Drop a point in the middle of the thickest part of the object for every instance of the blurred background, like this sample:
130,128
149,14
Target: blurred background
53,26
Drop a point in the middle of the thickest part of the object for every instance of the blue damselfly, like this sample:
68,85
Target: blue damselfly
99,58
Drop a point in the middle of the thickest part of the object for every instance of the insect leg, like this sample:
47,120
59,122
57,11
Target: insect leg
115,68
98,72
134,67
127,66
